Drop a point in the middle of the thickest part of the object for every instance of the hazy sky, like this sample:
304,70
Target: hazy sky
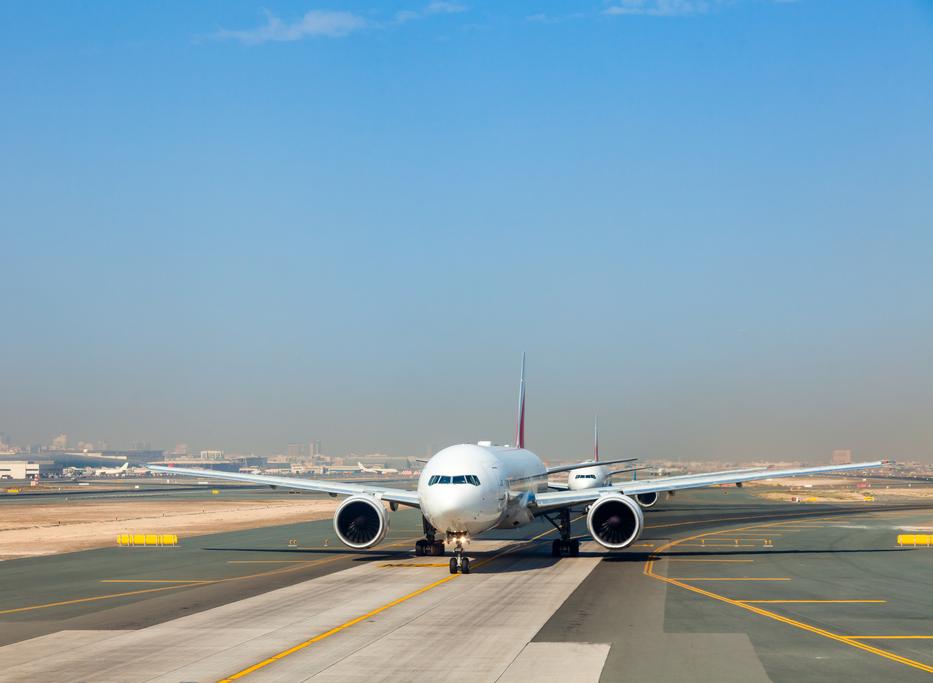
240,224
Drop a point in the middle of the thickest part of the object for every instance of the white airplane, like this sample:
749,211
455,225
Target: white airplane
110,471
376,470
467,489
594,474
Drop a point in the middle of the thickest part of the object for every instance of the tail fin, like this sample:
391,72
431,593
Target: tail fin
595,438
520,425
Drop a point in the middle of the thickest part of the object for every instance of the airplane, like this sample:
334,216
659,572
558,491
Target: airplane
593,474
467,489
376,470
110,471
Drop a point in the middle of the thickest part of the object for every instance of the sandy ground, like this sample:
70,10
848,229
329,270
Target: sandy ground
29,529
836,491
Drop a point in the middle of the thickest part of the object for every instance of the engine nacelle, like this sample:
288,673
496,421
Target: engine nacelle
615,521
361,521
647,500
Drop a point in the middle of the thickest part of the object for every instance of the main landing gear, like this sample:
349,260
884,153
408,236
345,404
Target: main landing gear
564,546
460,563
429,545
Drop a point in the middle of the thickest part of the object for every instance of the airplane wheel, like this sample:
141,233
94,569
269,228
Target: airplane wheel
453,565
465,565
575,548
438,548
420,547
555,549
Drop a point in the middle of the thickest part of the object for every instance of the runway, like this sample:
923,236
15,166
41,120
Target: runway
722,588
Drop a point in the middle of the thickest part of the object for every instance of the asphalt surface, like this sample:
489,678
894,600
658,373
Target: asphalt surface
685,603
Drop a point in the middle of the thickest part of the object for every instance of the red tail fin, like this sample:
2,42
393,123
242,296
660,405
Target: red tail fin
520,425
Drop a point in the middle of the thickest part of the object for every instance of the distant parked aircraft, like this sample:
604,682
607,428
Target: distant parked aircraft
110,471
376,470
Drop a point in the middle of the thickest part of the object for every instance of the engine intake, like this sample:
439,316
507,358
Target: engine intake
361,521
615,521
646,500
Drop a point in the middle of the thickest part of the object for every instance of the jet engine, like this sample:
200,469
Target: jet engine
615,521
647,500
361,521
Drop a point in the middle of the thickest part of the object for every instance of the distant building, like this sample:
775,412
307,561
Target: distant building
314,448
212,455
842,457
180,449
18,469
296,451
60,442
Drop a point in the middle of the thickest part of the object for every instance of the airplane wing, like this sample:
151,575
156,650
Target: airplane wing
576,466
559,499
335,488
630,469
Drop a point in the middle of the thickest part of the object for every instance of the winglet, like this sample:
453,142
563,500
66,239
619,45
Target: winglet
595,438
520,424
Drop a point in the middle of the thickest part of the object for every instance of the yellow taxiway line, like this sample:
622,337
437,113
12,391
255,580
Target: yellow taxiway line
846,640
199,582
796,602
342,627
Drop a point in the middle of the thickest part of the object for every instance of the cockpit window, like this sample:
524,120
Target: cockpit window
455,479
584,476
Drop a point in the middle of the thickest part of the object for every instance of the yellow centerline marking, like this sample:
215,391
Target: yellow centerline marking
781,602
847,640
337,629
890,637
727,578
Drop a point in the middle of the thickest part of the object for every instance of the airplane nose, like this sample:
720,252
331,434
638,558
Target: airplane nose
456,508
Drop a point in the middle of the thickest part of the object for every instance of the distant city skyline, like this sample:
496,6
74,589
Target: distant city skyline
242,225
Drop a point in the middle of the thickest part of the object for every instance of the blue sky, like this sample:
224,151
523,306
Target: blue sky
237,224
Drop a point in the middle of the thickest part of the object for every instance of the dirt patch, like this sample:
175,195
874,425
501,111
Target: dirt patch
29,529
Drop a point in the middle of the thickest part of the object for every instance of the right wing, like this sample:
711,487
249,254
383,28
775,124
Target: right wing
559,499
335,488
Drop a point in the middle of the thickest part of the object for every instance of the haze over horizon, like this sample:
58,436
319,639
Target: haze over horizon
240,225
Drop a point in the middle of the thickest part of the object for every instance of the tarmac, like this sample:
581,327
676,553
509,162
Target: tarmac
719,588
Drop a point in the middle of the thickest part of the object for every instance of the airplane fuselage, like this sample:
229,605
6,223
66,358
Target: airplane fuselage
588,477
468,489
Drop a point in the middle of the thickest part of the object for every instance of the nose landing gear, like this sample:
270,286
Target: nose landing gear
460,563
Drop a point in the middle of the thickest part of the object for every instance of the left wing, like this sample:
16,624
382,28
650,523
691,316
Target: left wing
335,488
558,499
